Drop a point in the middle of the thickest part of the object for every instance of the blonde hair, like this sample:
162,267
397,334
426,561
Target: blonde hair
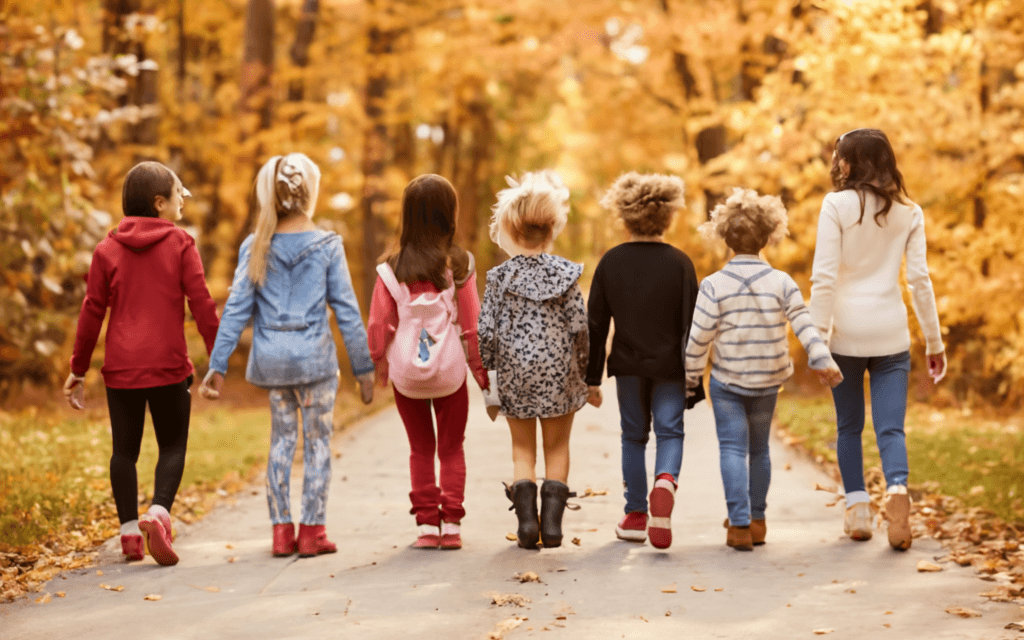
747,221
645,202
285,186
531,213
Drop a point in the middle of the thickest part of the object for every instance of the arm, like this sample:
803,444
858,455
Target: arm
200,303
238,311
486,323
818,356
598,320
577,323
703,331
920,282
468,316
825,272
342,298
90,320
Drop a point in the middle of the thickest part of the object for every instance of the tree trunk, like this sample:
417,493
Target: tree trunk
142,88
299,51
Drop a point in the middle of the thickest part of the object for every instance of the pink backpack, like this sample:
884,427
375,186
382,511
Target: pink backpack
426,357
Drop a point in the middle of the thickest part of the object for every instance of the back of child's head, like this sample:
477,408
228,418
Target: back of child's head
530,213
872,168
144,182
426,245
747,222
646,203
285,186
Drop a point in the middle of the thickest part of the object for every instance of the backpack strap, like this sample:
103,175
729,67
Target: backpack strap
387,276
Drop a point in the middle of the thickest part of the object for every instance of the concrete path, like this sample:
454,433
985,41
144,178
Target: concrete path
807,577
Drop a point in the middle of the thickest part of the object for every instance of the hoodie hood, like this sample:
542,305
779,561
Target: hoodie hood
291,248
140,233
542,277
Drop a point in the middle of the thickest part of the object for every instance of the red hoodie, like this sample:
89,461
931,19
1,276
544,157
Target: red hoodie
143,270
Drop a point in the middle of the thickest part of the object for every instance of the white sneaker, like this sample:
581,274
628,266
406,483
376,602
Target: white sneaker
858,521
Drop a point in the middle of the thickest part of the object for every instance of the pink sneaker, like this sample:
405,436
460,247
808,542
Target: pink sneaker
451,535
662,499
133,546
164,519
429,537
633,527
158,540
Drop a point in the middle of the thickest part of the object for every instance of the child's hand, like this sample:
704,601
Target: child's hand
74,391
595,398
382,372
481,379
831,376
366,386
211,385
937,366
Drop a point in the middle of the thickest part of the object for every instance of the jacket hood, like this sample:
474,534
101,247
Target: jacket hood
139,233
291,248
542,277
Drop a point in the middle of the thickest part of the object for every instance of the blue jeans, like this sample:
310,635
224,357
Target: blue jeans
889,376
640,401
743,422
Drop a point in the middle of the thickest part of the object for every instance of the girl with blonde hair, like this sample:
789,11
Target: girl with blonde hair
533,334
289,273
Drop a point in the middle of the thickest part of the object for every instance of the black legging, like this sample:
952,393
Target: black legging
170,407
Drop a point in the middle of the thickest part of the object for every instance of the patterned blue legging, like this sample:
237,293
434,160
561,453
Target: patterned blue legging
316,402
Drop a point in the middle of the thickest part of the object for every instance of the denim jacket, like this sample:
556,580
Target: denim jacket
292,342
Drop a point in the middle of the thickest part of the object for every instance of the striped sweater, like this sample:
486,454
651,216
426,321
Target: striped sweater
740,319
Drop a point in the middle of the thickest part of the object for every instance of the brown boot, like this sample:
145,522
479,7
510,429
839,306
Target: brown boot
758,529
739,538
897,512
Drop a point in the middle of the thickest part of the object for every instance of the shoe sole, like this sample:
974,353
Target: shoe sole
450,545
427,542
659,526
158,542
630,535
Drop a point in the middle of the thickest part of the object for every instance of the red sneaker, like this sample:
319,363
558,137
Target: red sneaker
429,537
662,499
633,527
133,546
284,539
451,535
165,519
313,540
158,540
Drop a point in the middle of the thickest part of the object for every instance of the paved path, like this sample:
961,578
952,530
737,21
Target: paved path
807,577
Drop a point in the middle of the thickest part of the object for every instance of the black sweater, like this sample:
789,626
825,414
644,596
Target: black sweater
650,289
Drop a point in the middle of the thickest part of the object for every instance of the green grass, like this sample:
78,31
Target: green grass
949,452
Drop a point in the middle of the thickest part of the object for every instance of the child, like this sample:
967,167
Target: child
649,288
426,286
856,301
742,311
533,333
288,273
143,271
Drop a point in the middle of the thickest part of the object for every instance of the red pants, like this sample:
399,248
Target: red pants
432,504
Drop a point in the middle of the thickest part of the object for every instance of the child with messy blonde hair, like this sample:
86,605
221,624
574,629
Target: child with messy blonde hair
649,288
533,336
742,311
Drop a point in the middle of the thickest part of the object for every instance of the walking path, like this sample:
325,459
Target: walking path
807,577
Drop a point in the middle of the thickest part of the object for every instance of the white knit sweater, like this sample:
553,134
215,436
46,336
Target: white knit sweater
856,300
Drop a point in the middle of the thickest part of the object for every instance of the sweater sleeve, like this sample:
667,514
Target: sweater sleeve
577,321
818,355
90,319
825,272
342,298
200,302
690,292
238,311
920,283
469,314
703,330
598,321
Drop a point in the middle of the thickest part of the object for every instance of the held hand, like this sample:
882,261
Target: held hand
481,379
830,377
211,385
595,398
366,386
382,372
74,391
937,366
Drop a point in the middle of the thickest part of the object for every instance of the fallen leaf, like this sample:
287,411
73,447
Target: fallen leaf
576,541
642,618
834,502
110,588
153,597
963,612
821,632
560,618
924,565
886,625
43,599
527,576
1015,626
99,572
229,546
511,536
787,467
828,489
232,559
515,599
669,589
799,575
668,614
720,589
60,594
696,588
561,569
888,613
212,589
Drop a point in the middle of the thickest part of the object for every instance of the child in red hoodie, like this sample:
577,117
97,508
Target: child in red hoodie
143,271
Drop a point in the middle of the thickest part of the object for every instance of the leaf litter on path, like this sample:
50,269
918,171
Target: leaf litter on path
513,599
924,566
527,576
963,612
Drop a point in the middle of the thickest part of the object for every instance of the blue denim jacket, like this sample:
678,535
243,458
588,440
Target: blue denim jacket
291,340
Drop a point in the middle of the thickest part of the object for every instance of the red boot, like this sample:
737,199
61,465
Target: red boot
284,539
313,540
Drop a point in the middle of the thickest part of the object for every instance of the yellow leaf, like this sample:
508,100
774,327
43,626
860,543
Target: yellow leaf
669,589
153,597
963,612
43,599
821,632
697,589
924,565
511,536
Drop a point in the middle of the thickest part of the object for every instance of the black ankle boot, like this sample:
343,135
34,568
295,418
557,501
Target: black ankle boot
553,495
523,494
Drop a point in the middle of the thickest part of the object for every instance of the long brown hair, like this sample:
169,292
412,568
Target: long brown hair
426,245
872,169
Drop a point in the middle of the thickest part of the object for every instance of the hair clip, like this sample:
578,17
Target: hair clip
840,138
291,175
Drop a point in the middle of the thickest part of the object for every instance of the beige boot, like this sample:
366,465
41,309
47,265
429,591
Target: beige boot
858,521
897,512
